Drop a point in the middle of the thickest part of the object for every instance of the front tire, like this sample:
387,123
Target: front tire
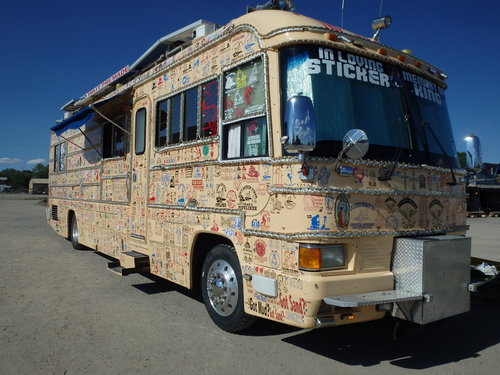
73,235
222,289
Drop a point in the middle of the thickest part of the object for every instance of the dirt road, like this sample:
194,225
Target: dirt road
62,312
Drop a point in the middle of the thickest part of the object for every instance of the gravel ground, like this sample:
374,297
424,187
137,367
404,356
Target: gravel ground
62,312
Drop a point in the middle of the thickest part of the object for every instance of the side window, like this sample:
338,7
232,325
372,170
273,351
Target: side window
244,93
254,137
140,131
60,157
190,114
209,108
246,139
114,139
244,98
175,120
161,123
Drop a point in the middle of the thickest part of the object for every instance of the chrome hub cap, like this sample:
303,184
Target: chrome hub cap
222,287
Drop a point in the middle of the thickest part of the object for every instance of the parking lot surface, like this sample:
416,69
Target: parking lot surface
62,312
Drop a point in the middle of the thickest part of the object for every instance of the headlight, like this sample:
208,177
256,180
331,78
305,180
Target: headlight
321,257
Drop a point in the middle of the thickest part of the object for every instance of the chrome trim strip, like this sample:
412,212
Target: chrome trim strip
351,234
326,190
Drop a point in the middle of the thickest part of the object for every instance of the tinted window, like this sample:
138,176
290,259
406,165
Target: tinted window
191,114
161,124
398,110
140,131
246,138
175,120
209,108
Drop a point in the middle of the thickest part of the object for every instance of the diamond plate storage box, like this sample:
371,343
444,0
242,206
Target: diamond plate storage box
439,268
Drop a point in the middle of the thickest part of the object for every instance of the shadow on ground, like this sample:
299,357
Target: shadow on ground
415,347
368,344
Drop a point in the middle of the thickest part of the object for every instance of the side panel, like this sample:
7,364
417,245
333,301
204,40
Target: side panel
93,188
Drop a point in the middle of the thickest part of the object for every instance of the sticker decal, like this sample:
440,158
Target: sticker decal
260,248
408,211
342,211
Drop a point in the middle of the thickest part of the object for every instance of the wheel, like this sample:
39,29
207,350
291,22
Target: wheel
73,235
222,289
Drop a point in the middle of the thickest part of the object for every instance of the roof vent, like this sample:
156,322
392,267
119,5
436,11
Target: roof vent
204,29
274,4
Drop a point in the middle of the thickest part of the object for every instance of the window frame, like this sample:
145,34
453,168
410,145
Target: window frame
234,68
59,162
183,116
243,125
244,121
158,129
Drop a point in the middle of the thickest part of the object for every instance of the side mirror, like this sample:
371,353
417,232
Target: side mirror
473,155
300,122
355,144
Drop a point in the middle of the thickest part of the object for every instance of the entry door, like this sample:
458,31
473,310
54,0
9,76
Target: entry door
139,174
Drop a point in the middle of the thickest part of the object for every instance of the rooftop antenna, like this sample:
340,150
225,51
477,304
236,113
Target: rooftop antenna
342,15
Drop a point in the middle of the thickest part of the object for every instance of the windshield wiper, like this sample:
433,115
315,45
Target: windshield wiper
387,174
425,125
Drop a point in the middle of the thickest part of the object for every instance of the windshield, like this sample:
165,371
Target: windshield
401,113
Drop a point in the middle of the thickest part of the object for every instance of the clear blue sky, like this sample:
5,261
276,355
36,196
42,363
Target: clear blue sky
54,51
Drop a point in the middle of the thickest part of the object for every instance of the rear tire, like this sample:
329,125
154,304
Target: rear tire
222,289
73,234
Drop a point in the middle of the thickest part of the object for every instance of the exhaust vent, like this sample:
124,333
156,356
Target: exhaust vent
55,215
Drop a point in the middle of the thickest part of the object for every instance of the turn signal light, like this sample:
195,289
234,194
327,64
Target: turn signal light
321,257
330,36
310,258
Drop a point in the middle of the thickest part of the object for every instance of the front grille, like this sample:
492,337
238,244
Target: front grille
55,215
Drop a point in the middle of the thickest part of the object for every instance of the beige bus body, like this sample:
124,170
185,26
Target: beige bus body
174,202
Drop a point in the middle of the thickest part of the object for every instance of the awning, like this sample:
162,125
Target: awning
111,107
75,121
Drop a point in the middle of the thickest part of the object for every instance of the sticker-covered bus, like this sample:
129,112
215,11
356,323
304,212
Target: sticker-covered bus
291,169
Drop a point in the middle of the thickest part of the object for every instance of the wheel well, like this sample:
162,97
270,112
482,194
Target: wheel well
71,213
202,244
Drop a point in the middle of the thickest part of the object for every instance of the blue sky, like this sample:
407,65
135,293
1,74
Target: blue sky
55,51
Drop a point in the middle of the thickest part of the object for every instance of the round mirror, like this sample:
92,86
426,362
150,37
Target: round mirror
473,154
355,144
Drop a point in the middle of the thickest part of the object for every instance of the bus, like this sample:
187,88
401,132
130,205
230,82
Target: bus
290,169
